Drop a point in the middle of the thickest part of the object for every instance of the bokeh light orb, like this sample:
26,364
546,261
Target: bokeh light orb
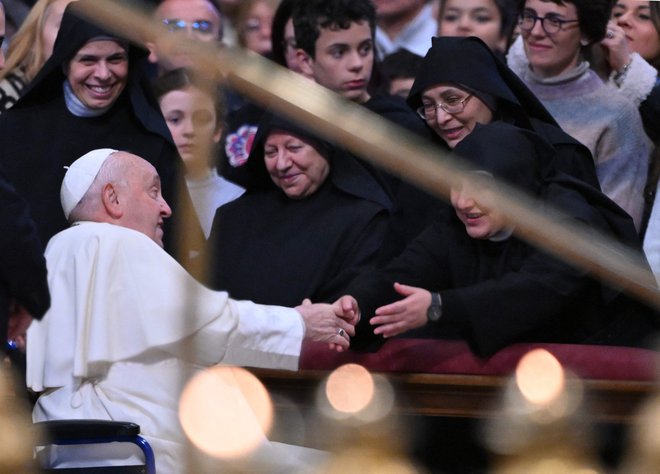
350,388
540,377
226,412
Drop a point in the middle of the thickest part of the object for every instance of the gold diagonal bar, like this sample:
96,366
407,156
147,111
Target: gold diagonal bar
383,143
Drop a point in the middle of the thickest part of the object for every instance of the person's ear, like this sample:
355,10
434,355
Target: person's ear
153,57
111,201
217,135
306,62
501,44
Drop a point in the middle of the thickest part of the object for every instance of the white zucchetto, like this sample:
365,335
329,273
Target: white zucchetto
80,176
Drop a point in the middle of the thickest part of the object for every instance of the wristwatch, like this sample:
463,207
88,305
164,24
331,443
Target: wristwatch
435,310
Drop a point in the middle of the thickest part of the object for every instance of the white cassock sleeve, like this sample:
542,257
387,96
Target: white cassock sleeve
116,295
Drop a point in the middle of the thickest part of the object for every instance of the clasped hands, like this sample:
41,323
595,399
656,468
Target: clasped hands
332,323
335,323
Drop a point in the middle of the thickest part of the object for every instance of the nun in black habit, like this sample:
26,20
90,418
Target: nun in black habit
53,124
468,276
277,245
473,64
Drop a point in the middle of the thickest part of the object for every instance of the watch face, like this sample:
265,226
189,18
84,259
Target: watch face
433,313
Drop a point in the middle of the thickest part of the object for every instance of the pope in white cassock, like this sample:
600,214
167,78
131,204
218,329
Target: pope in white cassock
116,341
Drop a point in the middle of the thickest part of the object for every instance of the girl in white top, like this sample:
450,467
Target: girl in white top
193,112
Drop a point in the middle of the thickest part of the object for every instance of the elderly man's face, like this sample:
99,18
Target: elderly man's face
145,209
98,73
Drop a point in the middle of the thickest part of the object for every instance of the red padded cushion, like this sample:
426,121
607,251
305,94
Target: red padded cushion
454,357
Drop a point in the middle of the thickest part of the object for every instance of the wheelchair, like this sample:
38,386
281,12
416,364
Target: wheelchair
81,432
78,432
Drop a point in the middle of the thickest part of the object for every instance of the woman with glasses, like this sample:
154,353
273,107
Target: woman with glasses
556,35
469,276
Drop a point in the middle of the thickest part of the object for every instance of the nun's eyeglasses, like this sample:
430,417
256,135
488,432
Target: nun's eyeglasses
550,24
201,27
453,105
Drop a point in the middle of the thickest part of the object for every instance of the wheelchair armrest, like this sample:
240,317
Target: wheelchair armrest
70,430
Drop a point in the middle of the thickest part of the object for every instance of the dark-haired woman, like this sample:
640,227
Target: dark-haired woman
555,36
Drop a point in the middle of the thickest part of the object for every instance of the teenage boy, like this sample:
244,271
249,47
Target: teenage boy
335,40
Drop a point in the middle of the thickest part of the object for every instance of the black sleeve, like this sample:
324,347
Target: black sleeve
499,311
650,112
361,254
423,264
23,268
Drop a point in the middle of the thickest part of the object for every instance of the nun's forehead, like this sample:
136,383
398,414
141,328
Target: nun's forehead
122,44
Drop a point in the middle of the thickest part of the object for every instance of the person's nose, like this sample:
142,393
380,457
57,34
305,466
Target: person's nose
187,127
356,63
191,33
165,209
464,201
464,24
283,161
441,116
624,20
102,71
538,30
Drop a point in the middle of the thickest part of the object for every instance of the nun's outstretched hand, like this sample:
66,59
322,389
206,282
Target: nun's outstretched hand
403,315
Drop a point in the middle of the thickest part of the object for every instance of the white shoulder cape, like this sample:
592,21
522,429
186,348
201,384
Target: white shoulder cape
116,295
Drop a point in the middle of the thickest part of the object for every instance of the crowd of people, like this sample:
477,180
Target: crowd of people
149,210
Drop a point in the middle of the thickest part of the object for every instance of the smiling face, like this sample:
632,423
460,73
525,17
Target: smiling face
634,17
552,55
190,115
343,61
479,18
452,128
480,221
98,73
294,165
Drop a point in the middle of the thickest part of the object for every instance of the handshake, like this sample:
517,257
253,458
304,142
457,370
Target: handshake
332,323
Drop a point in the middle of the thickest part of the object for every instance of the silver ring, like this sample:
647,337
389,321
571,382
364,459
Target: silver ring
610,34
341,332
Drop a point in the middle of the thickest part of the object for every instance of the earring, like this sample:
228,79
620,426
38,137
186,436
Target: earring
584,42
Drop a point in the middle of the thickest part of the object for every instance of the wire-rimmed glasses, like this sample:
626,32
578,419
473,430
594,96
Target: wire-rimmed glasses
453,105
